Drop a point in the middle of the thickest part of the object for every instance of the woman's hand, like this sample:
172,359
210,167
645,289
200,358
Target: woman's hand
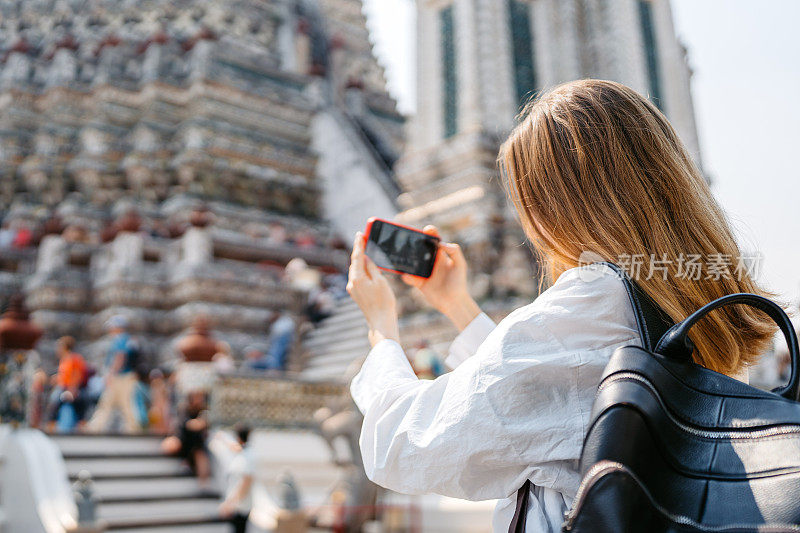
370,290
446,288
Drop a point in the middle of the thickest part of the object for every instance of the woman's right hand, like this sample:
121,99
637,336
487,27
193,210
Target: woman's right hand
446,289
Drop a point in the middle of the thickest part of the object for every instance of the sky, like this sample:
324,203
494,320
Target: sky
746,86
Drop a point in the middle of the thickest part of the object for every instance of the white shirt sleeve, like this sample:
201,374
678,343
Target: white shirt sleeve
467,342
516,410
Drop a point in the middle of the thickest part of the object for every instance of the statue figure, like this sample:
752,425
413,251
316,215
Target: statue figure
342,419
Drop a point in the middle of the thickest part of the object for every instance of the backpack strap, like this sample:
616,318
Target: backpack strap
521,511
652,323
650,319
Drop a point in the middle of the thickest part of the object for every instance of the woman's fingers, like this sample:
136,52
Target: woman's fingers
357,257
358,245
454,252
430,229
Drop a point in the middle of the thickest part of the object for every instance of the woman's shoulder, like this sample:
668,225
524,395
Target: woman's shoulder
586,306
576,289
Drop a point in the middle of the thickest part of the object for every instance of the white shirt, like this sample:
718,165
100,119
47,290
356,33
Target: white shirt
515,407
242,466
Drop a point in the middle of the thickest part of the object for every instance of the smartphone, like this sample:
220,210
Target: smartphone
400,249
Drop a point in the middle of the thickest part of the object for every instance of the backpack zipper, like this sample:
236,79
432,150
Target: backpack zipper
599,469
743,433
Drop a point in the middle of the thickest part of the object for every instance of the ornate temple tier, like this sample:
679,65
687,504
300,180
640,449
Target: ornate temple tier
219,283
68,289
237,246
167,160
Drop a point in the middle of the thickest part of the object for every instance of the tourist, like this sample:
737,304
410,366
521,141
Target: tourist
159,414
12,393
281,340
276,233
223,360
593,166
71,377
141,397
305,239
75,233
120,380
426,362
95,384
300,276
321,304
255,358
67,415
239,485
23,237
22,389
37,400
6,236
193,435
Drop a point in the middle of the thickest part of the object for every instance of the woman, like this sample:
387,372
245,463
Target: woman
190,443
595,170
71,378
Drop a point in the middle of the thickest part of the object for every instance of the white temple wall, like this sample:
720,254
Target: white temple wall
426,128
352,193
498,98
625,35
675,78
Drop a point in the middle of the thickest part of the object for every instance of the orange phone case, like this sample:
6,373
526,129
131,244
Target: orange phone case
369,229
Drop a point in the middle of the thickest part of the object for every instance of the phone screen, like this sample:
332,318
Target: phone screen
402,250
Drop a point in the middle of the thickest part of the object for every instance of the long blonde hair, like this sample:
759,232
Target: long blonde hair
595,167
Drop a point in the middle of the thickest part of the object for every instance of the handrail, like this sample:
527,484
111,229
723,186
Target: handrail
371,156
35,485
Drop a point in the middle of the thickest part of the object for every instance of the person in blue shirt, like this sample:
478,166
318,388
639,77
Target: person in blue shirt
120,380
281,340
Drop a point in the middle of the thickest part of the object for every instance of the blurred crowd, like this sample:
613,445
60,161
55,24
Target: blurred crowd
18,236
125,392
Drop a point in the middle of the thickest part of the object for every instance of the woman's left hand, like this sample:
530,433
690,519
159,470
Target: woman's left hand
371,291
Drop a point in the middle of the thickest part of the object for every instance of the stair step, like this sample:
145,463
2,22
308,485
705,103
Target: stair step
341,361
169,487
341,316
331,371
131,500
159,513
122,467
336,372
186,528
107,435
155,477
88,445
326,374
317,337
356,346
342,357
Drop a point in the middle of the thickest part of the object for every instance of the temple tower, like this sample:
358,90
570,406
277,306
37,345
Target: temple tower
166,159
479,61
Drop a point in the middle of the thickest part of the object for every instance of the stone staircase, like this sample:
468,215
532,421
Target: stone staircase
140,490
336,343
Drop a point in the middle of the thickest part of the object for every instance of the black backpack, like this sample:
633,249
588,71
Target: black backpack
674,447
